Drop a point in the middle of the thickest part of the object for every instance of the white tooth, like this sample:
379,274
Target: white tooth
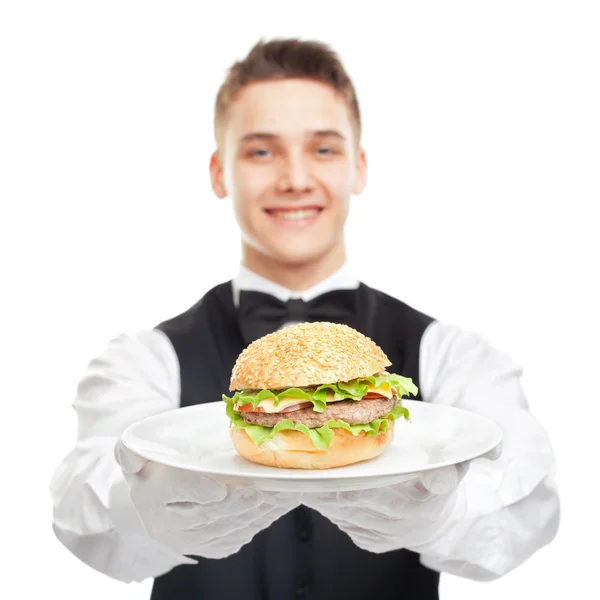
295,215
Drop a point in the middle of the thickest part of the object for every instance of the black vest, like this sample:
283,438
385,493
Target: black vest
302,555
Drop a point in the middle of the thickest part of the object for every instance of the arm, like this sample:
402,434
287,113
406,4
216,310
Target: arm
136,376
511,506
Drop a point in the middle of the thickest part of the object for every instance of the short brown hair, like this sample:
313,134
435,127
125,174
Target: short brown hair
290,58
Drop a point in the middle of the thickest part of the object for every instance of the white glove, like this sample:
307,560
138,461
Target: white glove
194,514
414,514
409,515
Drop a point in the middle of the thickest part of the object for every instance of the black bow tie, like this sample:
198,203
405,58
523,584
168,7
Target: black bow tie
260,313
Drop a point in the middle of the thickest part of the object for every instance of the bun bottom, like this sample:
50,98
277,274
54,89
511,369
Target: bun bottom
291,449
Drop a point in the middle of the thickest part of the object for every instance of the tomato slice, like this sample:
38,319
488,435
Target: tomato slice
248,408
371,395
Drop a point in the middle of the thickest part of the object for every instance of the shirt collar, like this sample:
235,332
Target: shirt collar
342,279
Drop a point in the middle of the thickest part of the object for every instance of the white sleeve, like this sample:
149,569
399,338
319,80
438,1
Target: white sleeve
512,504
136,376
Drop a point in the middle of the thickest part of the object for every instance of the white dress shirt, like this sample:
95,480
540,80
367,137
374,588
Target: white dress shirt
342,279
512,503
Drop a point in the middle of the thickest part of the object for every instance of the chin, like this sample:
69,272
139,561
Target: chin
298,250
298,259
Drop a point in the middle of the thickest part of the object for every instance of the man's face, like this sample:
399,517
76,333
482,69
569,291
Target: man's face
290,164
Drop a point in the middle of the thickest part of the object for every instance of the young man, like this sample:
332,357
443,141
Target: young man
288,132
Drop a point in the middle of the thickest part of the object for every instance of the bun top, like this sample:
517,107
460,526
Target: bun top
307,354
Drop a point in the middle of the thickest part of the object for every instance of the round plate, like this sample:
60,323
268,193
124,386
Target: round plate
196,438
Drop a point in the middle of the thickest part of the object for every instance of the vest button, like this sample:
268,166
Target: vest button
304,535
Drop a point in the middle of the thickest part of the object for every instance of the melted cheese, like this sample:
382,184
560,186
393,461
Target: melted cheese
383,391
269,405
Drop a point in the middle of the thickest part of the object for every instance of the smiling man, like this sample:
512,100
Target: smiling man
289,155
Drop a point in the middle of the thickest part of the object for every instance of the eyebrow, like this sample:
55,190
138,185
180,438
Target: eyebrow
329,133
322,133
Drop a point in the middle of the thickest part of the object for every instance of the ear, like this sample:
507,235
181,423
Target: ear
216,176
360,179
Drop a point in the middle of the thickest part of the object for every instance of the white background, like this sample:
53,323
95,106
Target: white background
482,133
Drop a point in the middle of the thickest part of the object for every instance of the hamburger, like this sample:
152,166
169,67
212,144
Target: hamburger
314,396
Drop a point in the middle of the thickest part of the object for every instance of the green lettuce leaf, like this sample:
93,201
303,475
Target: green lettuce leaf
320,436
344,390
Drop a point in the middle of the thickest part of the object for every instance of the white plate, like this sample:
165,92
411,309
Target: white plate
196,438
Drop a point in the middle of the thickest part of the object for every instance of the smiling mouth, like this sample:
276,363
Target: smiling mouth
296,216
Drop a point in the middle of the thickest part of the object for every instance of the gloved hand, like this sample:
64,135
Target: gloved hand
194,514
406,515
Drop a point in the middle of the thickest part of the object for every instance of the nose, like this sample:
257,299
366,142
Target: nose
296,175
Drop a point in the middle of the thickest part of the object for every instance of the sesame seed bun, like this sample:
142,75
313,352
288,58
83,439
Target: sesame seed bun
291,449
307,354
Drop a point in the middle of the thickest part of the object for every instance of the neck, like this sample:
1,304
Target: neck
294,276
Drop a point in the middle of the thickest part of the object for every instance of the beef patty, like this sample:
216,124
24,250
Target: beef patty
351,411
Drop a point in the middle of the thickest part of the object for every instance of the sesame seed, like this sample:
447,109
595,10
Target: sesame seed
307,354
